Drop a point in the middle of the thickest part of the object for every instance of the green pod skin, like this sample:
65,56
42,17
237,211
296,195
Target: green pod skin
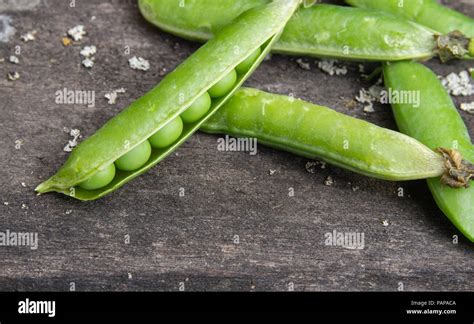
436,123
318,132
321,31
426,12
258,28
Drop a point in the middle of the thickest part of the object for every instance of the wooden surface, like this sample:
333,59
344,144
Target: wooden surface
236,228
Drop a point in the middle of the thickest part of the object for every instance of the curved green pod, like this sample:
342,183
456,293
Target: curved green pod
436,123
426,12
313,131
257,28
322,30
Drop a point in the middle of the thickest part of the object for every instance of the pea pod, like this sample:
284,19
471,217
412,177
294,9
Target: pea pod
321,30
426,12
436,123
313,131
210,70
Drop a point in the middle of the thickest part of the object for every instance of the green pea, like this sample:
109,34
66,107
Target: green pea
198,109
134,158
100,179
224,85
168,134
434,121
247,64
328,30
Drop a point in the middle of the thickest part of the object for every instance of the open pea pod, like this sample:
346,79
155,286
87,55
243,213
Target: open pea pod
426,12
317,132
139,137
321,30
435,122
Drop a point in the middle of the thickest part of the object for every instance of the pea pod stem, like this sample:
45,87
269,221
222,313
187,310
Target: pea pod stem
322,30
454,45
458,171
436,123
318,132
257,28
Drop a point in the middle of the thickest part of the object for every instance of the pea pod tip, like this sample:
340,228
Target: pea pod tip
44,187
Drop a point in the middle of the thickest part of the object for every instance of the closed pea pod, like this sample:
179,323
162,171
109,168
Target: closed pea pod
426,12
177,92
436,123
195,19
318,132
321,31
